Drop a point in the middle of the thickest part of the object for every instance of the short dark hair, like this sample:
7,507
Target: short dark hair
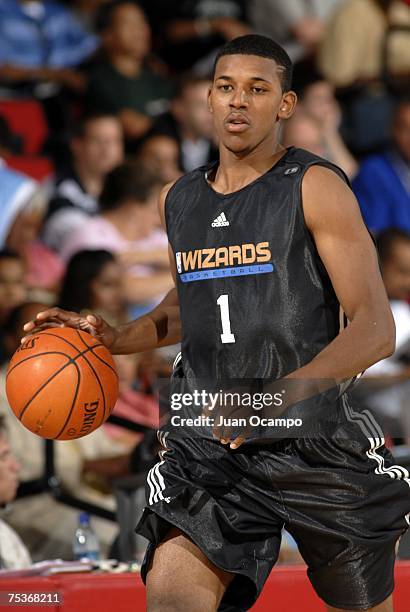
82,269
80,126
386,240
107,10
129,181
255,44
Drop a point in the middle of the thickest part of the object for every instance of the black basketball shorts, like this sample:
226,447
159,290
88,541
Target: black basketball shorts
342,498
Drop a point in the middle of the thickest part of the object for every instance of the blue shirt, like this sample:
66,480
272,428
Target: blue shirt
382,190
16,192
44,34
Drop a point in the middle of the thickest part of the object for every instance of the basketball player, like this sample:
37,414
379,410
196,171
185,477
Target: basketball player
216,510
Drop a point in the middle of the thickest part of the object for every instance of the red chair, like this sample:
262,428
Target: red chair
27,119
39,168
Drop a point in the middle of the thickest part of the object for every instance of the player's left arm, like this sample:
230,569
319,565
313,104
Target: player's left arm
344,245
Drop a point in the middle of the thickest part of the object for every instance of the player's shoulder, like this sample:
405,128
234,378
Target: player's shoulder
311,168
307,160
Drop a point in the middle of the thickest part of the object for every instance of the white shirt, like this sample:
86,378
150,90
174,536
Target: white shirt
13,553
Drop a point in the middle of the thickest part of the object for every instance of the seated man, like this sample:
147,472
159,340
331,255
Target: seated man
190,123
42,41
13,553
96,148
382,185
122,82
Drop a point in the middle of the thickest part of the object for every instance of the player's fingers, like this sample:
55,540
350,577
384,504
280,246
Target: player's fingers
34,329
55,316
237,442
57,313
29,326
95,321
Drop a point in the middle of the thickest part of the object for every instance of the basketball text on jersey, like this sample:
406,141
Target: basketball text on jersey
234,260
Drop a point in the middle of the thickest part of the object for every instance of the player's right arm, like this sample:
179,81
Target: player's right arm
160,327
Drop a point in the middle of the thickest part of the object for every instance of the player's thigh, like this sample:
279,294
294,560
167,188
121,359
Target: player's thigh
181,577
385,606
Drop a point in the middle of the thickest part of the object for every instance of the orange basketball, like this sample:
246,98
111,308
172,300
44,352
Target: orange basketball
62,383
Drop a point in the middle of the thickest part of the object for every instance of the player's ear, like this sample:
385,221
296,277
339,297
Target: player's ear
287,105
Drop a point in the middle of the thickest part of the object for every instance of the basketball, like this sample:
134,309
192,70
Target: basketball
62,383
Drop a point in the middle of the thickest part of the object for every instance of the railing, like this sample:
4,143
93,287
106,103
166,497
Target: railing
51,483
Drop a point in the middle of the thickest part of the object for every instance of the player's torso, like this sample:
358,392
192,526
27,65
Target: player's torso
255,299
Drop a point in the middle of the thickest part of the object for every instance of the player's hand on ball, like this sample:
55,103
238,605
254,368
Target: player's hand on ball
56,317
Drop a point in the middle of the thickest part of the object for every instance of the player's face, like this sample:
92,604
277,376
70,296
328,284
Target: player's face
9,471
247,102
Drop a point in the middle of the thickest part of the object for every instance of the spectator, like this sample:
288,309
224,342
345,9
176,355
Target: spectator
304,132
122,82
22,206
13,553
317,99
96,147
388,383
160,153
13,290
352,48
93,281
382,185
298,25
41,41
127,226
366,54
191,31
190,123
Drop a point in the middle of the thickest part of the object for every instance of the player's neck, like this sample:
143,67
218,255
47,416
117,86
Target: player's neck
235,172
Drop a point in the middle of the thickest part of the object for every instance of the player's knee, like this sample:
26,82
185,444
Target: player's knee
166,600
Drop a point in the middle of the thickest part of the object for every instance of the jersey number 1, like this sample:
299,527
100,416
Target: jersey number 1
227,336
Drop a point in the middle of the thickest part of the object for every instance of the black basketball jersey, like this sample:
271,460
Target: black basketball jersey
255,298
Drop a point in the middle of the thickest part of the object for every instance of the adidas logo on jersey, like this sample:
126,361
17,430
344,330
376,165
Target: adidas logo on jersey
220,221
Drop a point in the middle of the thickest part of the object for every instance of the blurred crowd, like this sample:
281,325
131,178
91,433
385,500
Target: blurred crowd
104,102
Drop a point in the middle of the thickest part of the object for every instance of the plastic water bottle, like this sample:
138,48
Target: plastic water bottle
85,545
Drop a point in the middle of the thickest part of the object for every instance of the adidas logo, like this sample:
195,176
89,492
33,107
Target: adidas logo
220,221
